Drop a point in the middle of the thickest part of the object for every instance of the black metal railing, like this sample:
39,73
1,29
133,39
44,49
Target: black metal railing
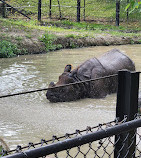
120,138
98,141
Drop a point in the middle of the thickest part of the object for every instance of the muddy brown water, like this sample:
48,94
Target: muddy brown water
31,117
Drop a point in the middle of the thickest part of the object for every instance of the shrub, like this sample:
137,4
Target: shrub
7,49
48,40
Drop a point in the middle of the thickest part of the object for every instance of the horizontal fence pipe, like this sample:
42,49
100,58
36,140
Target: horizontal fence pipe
80,140
20,7
63,137
38,90
61,6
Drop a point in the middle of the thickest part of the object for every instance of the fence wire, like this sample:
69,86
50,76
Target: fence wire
102,148
90,10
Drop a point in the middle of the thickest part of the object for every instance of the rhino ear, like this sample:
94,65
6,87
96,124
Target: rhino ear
67,68
51,84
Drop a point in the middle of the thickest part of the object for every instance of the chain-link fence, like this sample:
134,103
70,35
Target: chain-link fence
88,10
120,138
98,142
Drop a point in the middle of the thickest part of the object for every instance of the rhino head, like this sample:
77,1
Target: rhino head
65,93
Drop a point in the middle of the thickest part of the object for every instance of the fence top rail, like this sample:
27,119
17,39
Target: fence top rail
99,127
79,140
67,135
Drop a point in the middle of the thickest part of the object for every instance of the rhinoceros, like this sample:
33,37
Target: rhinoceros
108,64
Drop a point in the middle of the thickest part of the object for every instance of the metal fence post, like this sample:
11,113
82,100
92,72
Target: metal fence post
50,8
127,12
3,10
117,12
84,9
78,10
127,105
59,9
39,10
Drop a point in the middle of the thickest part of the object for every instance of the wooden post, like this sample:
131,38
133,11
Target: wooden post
78,10
50,8
117,12
127,105
39,10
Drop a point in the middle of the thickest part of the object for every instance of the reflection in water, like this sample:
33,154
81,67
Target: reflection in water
31,117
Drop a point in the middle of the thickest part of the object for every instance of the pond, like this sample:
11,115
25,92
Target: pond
31,117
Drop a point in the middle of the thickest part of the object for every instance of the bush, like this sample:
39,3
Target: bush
8,50
48,40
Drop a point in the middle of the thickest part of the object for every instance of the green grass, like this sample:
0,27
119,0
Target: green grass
70,28
49,31
48,40
94,9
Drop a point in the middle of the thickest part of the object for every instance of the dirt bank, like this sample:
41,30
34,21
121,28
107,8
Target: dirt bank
35,46
29,39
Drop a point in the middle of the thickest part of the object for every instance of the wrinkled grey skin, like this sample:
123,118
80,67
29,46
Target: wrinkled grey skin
108,64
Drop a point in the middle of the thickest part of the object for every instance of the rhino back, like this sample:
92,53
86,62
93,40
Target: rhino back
84,71
115,60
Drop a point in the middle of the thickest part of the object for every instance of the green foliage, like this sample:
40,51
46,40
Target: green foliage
0,149
19,38
134,4
72,36
48,40
73,45
7,49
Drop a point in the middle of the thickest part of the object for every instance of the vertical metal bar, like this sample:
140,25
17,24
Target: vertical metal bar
78,10
3,10
117,12
59,9
133,111
50,8
127,12
39,10
84,8
127,105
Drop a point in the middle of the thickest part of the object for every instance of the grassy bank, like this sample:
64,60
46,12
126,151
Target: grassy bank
34,37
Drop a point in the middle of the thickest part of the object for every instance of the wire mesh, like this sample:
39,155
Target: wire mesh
103,148
90,10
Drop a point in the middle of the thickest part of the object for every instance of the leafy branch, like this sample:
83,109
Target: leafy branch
133,4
